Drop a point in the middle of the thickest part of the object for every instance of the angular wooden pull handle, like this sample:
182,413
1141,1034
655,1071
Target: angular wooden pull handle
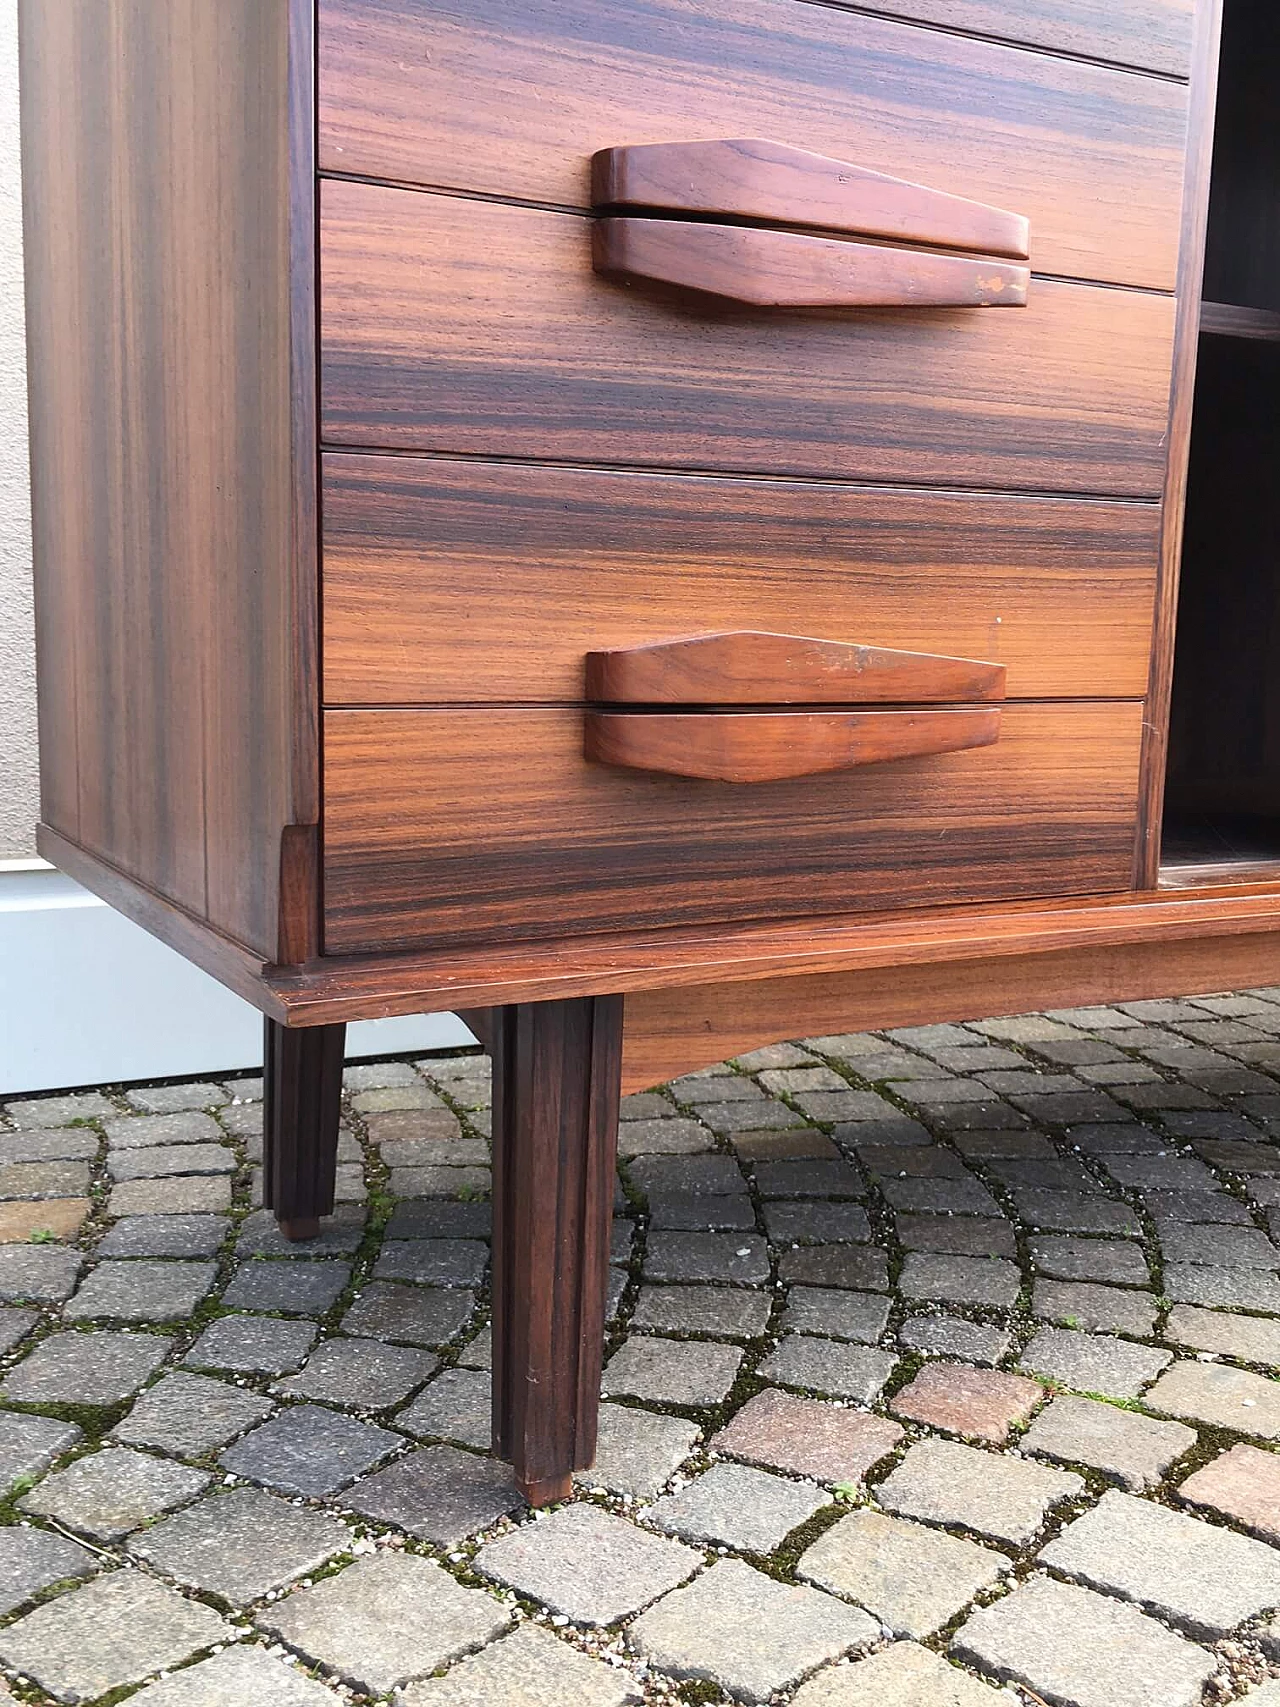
746,667
768,746
751,178
782,269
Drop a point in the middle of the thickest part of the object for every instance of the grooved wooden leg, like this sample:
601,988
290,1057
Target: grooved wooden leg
302,1085
557,1071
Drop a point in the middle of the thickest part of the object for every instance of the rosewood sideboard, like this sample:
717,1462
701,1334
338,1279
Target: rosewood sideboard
659,525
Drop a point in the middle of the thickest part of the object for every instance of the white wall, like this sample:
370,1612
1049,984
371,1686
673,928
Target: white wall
86,997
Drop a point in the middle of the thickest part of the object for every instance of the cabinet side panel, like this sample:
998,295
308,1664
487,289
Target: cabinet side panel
172,435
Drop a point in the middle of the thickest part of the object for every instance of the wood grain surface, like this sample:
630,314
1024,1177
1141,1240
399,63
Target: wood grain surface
455,325
513,97
792,269
173,440
744,668
448,581
1151,33
456,826
768,746
756,178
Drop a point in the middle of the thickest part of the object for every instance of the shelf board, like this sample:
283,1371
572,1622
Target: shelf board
1227,320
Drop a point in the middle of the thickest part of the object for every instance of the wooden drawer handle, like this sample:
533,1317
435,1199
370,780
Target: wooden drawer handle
752,178
749,746
751,668
783,269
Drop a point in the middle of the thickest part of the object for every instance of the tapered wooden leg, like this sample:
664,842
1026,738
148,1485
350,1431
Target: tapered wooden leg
302,1085
557,1070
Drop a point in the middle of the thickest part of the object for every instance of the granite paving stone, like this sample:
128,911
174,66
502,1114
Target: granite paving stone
1252,1339
57,1217
237,1677
809,1077
294,1288
1075,1212
672,1372
1131,1449
44,1112
385,1620
36,1180
439,1218
835,1312
1115,1140
163,1160
1079,1649
808,1437
174,1099
904,1675
527,1669
164,1236
734,1505
185,1126
1231,1247
815,1222
85,1368
1161,1173
912,1161
726,1117
340,1235
707,1176
688,1212
433,1262
38,1274
857,1267
189,1194
1094,1363
829,1366
722,1257
889,1129
913,1579
116,1630
253,1345
108,1493
954,1336
585,1563
749,1634
29,1444
723,1311
456,1406
15,1324
1241,1288
1202,1577
1113,1262
143,1290
940,1197
1004,1141
309,1450
60,1144
1215,1393
1096,1309
662,1137
721,1086
786,1144
413,1315
941,1481
32,1560
959,1280
191,1415
842,1105
981,1403
807,1179
1216,1208
362,1374
1243,1485
959,1235
1022,1173
637,1452
241,1545
438,1493
1236,1156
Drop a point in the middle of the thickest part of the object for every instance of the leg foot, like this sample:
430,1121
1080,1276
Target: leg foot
302,1085
557,1079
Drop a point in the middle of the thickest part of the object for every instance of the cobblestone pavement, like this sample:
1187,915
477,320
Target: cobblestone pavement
941,1373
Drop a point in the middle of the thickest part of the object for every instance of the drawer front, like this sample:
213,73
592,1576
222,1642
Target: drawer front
456,826
464,326
451,581
511,98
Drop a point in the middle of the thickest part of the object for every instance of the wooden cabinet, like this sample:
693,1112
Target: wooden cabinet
658,525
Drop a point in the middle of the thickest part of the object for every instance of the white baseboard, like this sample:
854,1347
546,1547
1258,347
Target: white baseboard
87,998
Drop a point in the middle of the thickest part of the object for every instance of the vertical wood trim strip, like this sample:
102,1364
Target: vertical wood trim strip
1195,215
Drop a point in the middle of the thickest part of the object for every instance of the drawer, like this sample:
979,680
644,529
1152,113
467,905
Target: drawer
512,97
455,826
453,581
462,326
